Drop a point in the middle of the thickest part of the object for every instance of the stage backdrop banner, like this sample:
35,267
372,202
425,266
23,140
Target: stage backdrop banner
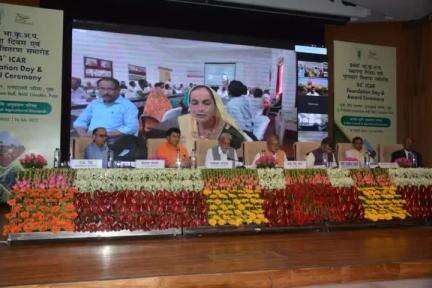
365,92
30,84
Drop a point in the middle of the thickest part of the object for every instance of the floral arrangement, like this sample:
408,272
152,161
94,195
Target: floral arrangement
404,162
382,203
370,177
271,178
340,177
33,161
41,204
233,197
418,201
311,204
266,161
306,176
411,177
139,210
152,180
153,199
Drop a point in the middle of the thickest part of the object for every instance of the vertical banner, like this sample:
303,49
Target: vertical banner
30,84
365,92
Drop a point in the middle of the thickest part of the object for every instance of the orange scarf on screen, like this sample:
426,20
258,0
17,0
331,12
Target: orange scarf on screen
156,106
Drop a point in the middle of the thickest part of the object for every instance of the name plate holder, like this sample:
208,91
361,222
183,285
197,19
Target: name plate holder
349,164
388,165
220,164
149,164
295,165
85,163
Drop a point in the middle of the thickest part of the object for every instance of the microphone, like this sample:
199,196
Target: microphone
370,149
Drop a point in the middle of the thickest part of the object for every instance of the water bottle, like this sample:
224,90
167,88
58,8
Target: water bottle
110,162
193,159
178,161
57,155
367,160
414,160
325,160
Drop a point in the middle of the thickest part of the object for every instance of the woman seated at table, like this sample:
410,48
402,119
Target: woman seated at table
273,150
208,119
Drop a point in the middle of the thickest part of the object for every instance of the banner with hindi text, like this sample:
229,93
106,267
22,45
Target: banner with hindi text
30,85
365,92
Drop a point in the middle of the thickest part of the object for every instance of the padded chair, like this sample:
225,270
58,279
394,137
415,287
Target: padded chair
341,148
261,124
152,145
79,144
387,150
201,147
301,149
251,149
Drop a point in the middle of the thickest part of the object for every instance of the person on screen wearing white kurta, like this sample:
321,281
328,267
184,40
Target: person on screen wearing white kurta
317,157
358,151
221,152
78,94
273,150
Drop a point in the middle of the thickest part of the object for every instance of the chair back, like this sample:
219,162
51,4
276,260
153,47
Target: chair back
301,149
201,147
251,149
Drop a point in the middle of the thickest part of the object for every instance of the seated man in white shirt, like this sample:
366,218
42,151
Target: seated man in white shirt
358,151
221,152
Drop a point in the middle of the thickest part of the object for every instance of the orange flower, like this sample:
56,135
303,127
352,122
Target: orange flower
11,202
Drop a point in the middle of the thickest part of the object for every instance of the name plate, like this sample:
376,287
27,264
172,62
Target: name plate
349,164
295,165
149,164
220,164
388,165
85,163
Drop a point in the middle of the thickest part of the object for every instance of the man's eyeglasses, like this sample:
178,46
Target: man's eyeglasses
107,89
102,136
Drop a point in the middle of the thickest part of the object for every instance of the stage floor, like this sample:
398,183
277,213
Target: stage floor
264,260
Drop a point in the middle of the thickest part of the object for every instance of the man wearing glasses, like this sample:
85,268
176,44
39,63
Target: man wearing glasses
98,149
117,115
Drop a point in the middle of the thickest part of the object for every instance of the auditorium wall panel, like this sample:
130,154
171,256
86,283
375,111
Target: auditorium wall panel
252,64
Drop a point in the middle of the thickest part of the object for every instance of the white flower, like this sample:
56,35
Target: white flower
340,177
90,180
411,176
272,178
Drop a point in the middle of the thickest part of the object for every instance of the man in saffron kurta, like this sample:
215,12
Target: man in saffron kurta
273,150
171,148
157,104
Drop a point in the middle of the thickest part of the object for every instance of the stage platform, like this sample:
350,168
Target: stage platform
264,260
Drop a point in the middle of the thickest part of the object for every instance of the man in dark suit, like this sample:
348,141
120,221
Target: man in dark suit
408,153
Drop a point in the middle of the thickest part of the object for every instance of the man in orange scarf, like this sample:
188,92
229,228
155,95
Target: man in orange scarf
273,150
172,149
